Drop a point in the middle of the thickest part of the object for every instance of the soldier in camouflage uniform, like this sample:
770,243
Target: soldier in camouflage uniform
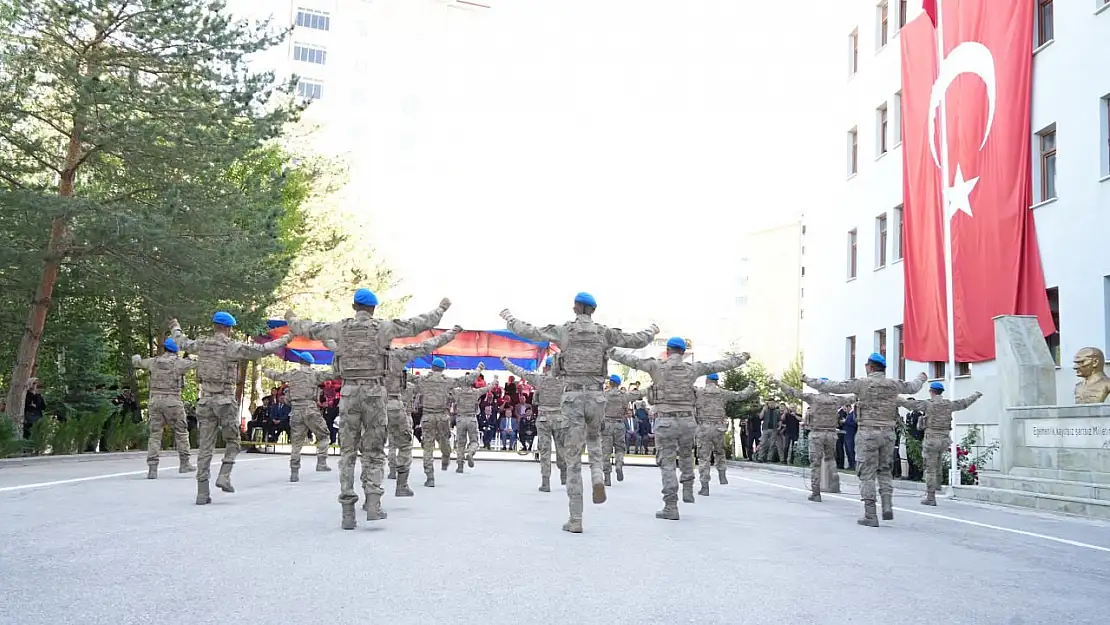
165,406
821,421
548,421
466,424
362,346
614,434
712,423
398,396
218,359
436,389
937,423
582,368
877,415
672,394
303,385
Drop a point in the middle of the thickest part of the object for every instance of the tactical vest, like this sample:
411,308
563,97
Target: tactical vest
363,360
615,403
823,411
877,402
550,393
164,378
215,371
677,387
584,352
435,390
711,404
938,415
302,388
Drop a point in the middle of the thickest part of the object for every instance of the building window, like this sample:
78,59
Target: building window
309,89
882,124
853,151
852,245
899,340
1044,22
880,241
1104,113
853,52
850,350
897,130
310,18
902,8
880,341
884,23
309,53
1047,140
936,370
963,369
899,232
1053,339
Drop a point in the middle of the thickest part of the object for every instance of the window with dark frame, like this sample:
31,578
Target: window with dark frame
937,370
852,252
853,62
853,151
1048,164
902,8
898,336
309,89
884,24
1044,22
1053,340
963,369
851,357
309,54
880,341
900,234
884,123
311,18
880,241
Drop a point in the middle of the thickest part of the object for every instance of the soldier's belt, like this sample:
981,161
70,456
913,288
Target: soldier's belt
872,426
823,428
675,414
582,387
713,420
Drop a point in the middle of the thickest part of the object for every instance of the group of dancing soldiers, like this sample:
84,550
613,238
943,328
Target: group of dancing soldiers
576,411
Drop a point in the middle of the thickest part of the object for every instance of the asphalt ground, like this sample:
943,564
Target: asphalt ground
93,541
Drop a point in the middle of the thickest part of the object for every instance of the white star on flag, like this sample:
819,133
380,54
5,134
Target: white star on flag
959,194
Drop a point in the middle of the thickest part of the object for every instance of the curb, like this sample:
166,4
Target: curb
845,478
71,458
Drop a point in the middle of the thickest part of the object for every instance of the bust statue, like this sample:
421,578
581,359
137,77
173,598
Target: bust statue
1094,385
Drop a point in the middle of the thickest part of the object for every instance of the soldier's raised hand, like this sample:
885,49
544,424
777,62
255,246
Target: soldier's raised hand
923,376
654,329
746,356
445,303
504,360
290,315
457,328
173,323
481,366
506,315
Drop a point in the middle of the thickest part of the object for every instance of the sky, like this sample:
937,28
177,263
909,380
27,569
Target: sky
520,154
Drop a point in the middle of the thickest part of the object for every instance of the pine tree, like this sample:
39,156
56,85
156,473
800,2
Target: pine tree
121,128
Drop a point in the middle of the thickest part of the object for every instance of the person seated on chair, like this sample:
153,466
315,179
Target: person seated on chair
279,419
258,418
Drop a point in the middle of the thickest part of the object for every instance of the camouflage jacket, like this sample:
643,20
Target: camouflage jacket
166,371
549,390
877,396
304,384
218,359
938,411
561,335
823,407
712,399
616,401
673,379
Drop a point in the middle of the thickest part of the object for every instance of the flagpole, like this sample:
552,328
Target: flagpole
949,295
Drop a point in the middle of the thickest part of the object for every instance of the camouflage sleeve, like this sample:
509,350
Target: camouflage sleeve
716,366
179,337
748,391
184,364
635,395
963,404
825,386
425,348
553,334
324,376
414,325
790,391
139,362
912,404
467,380
249,351
528,376
276,376
909,387
319,331
636,340
648,365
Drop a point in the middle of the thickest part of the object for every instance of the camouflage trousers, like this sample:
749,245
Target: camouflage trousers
466,438
222,413
674,437
570,440
400,436
822,453
586,409
614,442
932,449
874,456
300,422
771,441
437,429
545,436
167,410
364,423
711,444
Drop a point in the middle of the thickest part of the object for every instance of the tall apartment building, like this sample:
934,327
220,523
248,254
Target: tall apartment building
855,280
772,309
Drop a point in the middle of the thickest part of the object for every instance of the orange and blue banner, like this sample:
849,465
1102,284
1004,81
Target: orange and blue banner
468,349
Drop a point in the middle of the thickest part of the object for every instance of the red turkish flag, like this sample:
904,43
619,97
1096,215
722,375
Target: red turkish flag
986,80
930,7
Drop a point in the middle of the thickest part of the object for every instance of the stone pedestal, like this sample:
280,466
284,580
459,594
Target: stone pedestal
1026,372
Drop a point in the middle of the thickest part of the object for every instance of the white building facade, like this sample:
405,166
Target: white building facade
771,300
854,284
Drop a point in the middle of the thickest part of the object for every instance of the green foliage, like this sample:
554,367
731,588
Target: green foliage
75,379
792,377
125,434
970,463
738,379
42,432
801,449
9,440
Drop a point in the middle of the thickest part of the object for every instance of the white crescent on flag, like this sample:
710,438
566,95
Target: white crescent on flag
970,57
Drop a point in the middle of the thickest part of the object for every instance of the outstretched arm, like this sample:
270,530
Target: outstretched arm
529,376
909,387
912,404
139,362
625,357
716,366
636,340
470,378
826,386
962,404
181,365
748,391
250,351
183,342
276,376
320,331
415,325
424,348
553,334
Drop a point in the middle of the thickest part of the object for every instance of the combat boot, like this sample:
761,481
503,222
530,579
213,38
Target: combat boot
349,520
223,480
446,461
373,508
688,493
599,493
545,485
322,464
573,525
704,492
930,498
430,481
669,512
185,466
470,460
815,495
869,517
888,508
152,472
392,475
721,476
460,469
403,489
620,474
203,497
563,477
608,482
294,475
